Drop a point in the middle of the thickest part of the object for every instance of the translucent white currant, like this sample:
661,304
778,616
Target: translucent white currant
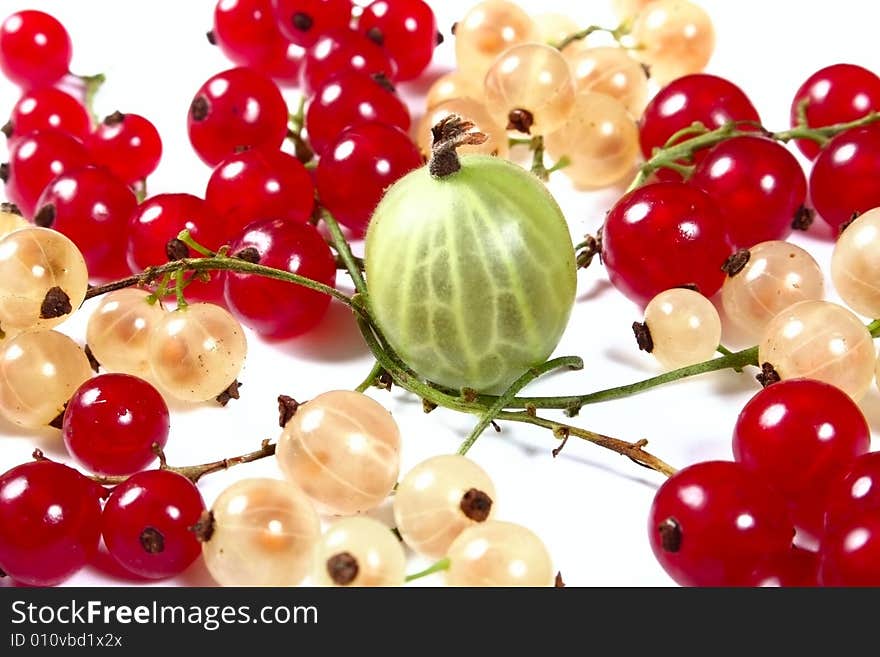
777,275
43,279
855,264
438,499
450,86
529,89
487,30
629,8
499,553
264,534
39,371
343,449
470,110
10,221
600,140
197,352
611,71
359,551
676,37
684,327
119,329
820,340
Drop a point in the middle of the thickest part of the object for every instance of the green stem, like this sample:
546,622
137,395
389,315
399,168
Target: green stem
441,565
92,84
352,264
185,237
179,284
561,163
616,32
538,168
573,403
571,362
216,263
367,383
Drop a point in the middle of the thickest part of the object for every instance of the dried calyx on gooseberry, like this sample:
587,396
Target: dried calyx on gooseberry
470,267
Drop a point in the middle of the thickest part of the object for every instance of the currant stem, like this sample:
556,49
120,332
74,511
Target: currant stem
538,168
633,451
196,472
571,362
92,84
370,381
352,264
616,32
671,155
440,566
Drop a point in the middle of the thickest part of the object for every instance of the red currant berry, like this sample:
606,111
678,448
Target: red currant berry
702,98
713,523
160,219
348,99
758,186
406,29
794,567
35,160
844,176
260,184
248,34
343,50
856,493
48,108
113,422
834,94
92,207
850,552
357,169
664,235
800,447
274,309
236,109
304,21
50,522
35,49
146,523
127,144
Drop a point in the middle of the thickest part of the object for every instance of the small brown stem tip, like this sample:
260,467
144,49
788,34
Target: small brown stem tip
643,336
520,120
204,527
670,535
342,568
768,375
476,505
450,133
152,540
287,408
735,263
55,304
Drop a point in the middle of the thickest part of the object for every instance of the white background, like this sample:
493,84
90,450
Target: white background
588,505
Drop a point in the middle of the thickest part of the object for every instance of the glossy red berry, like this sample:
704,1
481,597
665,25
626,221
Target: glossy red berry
794,567
850,552
664,235
159,219
406,29
50,522
703,98
260,184
856,493
713,523
758,186
343,50
35,49
248,34
127,144
113,422
800,447
356,169
305,21
844,176
48,108
147,523
348,99
236,109
35,160
835,94
92,207
275,309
